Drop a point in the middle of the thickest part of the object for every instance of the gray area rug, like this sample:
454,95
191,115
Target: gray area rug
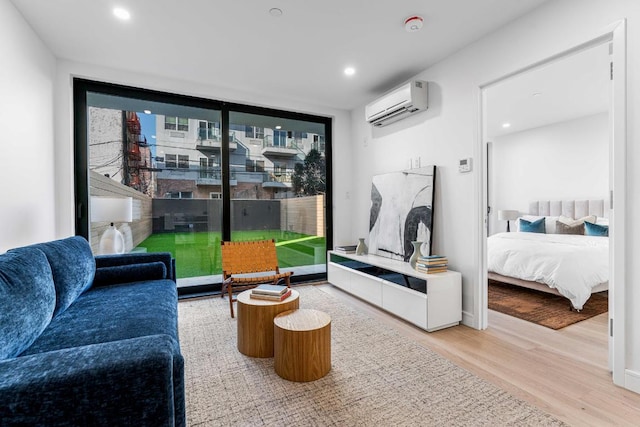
378,377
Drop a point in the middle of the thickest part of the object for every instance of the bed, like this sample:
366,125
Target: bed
574,266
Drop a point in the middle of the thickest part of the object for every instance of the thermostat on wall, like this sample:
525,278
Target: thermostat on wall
464,165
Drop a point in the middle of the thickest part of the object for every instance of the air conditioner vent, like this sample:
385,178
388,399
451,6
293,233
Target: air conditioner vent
398,104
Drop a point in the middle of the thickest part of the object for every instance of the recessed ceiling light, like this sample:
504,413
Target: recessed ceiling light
278,127
121,13
537,94
274,11
349,71
506,125
147,111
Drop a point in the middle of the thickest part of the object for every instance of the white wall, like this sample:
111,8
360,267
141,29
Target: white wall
568,160
27,75
449,131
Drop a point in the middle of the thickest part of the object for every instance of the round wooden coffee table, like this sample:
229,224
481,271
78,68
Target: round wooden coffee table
255,322
302,344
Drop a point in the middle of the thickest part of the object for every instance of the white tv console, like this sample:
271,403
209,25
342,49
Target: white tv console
430,301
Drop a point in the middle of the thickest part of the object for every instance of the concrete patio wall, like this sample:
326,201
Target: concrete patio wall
301,215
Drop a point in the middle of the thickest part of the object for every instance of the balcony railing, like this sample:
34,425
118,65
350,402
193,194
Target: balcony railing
207,176
281,148
213,141
284,177
206,173
290,143
277,179
208,134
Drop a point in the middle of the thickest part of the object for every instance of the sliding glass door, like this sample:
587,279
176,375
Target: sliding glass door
278,182
191,188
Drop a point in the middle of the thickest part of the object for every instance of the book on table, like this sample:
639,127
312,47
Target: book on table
264,289
432,260
432,264
440,269
438,265
347,249
282,297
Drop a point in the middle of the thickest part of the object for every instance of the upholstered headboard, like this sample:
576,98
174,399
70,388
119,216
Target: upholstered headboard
570,208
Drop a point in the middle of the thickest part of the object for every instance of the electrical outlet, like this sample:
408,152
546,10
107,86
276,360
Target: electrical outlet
416,162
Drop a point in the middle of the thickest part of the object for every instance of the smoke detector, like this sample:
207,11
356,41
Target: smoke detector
413,24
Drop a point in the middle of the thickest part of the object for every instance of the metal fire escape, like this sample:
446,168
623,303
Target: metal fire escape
137,155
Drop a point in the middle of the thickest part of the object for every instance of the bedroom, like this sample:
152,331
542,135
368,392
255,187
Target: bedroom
548,148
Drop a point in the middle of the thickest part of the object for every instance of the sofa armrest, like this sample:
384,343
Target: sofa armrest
137,381
103,261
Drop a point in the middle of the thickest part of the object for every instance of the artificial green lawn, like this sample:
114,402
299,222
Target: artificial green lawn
198,253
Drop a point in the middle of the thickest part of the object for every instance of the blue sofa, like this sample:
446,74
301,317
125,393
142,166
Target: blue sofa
89,340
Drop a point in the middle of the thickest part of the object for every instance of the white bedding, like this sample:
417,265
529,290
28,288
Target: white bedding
572,264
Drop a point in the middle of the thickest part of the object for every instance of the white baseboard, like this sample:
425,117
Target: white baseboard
632,380
469,320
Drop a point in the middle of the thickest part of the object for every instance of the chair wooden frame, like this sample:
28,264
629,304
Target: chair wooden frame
256,261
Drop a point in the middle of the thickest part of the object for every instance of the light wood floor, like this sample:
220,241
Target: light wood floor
561,372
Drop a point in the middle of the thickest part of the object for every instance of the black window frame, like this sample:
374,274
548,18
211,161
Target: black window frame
81,87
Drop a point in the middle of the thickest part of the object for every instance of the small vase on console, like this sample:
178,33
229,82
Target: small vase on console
361,249
416,253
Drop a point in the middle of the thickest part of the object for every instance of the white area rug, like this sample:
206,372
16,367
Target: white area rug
378,378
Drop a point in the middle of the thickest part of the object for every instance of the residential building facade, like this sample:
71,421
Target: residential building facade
261,160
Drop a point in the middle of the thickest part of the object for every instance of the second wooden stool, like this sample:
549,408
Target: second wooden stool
302,344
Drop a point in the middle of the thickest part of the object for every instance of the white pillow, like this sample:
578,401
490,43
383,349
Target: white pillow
550,224
602,221
573,222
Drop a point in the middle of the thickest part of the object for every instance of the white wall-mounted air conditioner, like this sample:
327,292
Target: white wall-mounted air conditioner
398,104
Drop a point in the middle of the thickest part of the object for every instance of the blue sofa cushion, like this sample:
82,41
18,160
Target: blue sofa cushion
113,313
130,273
27,299
73,267
103,261
136,382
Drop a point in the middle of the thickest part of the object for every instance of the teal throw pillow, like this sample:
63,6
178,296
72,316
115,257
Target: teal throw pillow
591,229
536,226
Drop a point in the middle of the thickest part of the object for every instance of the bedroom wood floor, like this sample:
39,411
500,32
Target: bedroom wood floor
562,372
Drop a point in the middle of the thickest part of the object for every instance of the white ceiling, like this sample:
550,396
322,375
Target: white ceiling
566,89
299,55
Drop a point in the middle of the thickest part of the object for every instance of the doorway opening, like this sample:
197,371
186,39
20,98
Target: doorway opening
534,184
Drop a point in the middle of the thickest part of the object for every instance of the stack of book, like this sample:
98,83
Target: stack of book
432,264
348,249
271,292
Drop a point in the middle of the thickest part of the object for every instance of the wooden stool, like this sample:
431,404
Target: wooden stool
302,344
255,322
